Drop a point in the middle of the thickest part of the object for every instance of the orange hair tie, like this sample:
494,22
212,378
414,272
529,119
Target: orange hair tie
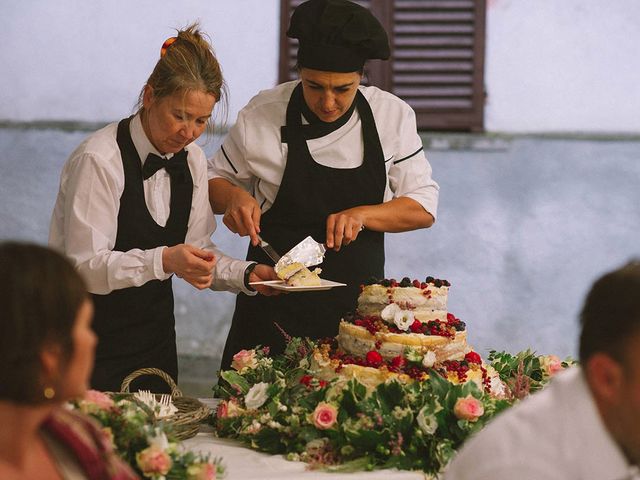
167,43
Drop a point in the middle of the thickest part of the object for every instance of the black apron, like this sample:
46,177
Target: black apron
308,194
136,326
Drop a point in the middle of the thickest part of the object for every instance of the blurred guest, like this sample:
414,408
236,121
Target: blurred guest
46,352
586,424
133,209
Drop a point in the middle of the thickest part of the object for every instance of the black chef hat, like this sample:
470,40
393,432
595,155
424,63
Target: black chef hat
337,35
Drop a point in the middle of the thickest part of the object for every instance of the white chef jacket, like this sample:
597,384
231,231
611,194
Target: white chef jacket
84,223
556,434
253,156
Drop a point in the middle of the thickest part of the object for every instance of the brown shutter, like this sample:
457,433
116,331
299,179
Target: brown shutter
437,63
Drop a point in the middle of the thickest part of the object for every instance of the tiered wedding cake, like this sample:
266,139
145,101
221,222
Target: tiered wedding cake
401,330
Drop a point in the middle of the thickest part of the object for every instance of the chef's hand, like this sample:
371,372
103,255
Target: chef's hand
264,273
343,227
242,215
192,264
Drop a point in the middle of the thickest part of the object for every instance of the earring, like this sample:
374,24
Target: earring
49,393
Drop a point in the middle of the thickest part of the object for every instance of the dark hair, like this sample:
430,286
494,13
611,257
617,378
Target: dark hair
40,295
188,64
611,313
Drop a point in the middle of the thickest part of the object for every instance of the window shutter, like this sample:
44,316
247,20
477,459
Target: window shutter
437,60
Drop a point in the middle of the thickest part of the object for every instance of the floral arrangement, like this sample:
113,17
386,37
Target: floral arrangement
144,442
277,405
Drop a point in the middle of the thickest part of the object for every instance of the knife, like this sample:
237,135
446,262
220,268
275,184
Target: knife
269,250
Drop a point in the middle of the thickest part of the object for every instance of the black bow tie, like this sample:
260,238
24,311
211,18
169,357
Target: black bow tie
175,166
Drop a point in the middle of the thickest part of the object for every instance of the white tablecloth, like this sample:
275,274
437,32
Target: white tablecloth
245,464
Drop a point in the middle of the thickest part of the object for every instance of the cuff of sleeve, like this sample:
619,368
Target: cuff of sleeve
429,205
247,272
158,268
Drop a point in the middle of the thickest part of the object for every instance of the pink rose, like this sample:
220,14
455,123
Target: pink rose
551,364
222,411
101,399
468,408
244,359
201,471
228,409
153,461
324,416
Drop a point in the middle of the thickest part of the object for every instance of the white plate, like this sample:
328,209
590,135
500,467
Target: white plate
280,285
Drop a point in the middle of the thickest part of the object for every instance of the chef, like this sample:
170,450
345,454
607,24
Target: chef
321,156
133,210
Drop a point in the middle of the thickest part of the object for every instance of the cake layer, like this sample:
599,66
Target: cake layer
357,341
325,369
427,302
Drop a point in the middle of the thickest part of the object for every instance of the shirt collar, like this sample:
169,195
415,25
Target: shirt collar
601,457
313,119
143,145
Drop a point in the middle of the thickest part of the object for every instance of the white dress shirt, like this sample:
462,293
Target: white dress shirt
254,157
556,434
84,224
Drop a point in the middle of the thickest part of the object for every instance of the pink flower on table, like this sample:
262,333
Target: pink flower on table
244,359
153,461
201,471
222,411
228,409
324,416
101,399
468,408
551,364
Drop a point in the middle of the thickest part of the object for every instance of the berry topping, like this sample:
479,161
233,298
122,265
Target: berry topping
398,362
473,357
374,359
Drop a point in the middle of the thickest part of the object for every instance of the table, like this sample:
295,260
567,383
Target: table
245,464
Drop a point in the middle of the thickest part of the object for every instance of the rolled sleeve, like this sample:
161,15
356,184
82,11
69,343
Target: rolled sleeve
409,170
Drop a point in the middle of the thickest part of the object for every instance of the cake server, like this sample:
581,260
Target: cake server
269,250
308,252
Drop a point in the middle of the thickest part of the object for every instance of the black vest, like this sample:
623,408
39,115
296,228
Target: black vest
136,326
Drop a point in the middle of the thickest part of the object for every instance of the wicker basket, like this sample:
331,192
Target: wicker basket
191,412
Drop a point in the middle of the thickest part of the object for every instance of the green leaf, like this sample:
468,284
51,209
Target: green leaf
389,395
236,380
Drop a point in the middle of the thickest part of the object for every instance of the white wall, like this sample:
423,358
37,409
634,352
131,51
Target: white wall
87,60
551,65
563,65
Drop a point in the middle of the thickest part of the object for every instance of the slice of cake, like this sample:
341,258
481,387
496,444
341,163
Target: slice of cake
297,275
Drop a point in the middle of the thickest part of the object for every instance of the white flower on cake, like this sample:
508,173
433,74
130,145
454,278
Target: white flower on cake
403,319
256,395
429,359
388,313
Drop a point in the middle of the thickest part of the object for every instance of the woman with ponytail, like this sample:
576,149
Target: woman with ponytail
133,211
